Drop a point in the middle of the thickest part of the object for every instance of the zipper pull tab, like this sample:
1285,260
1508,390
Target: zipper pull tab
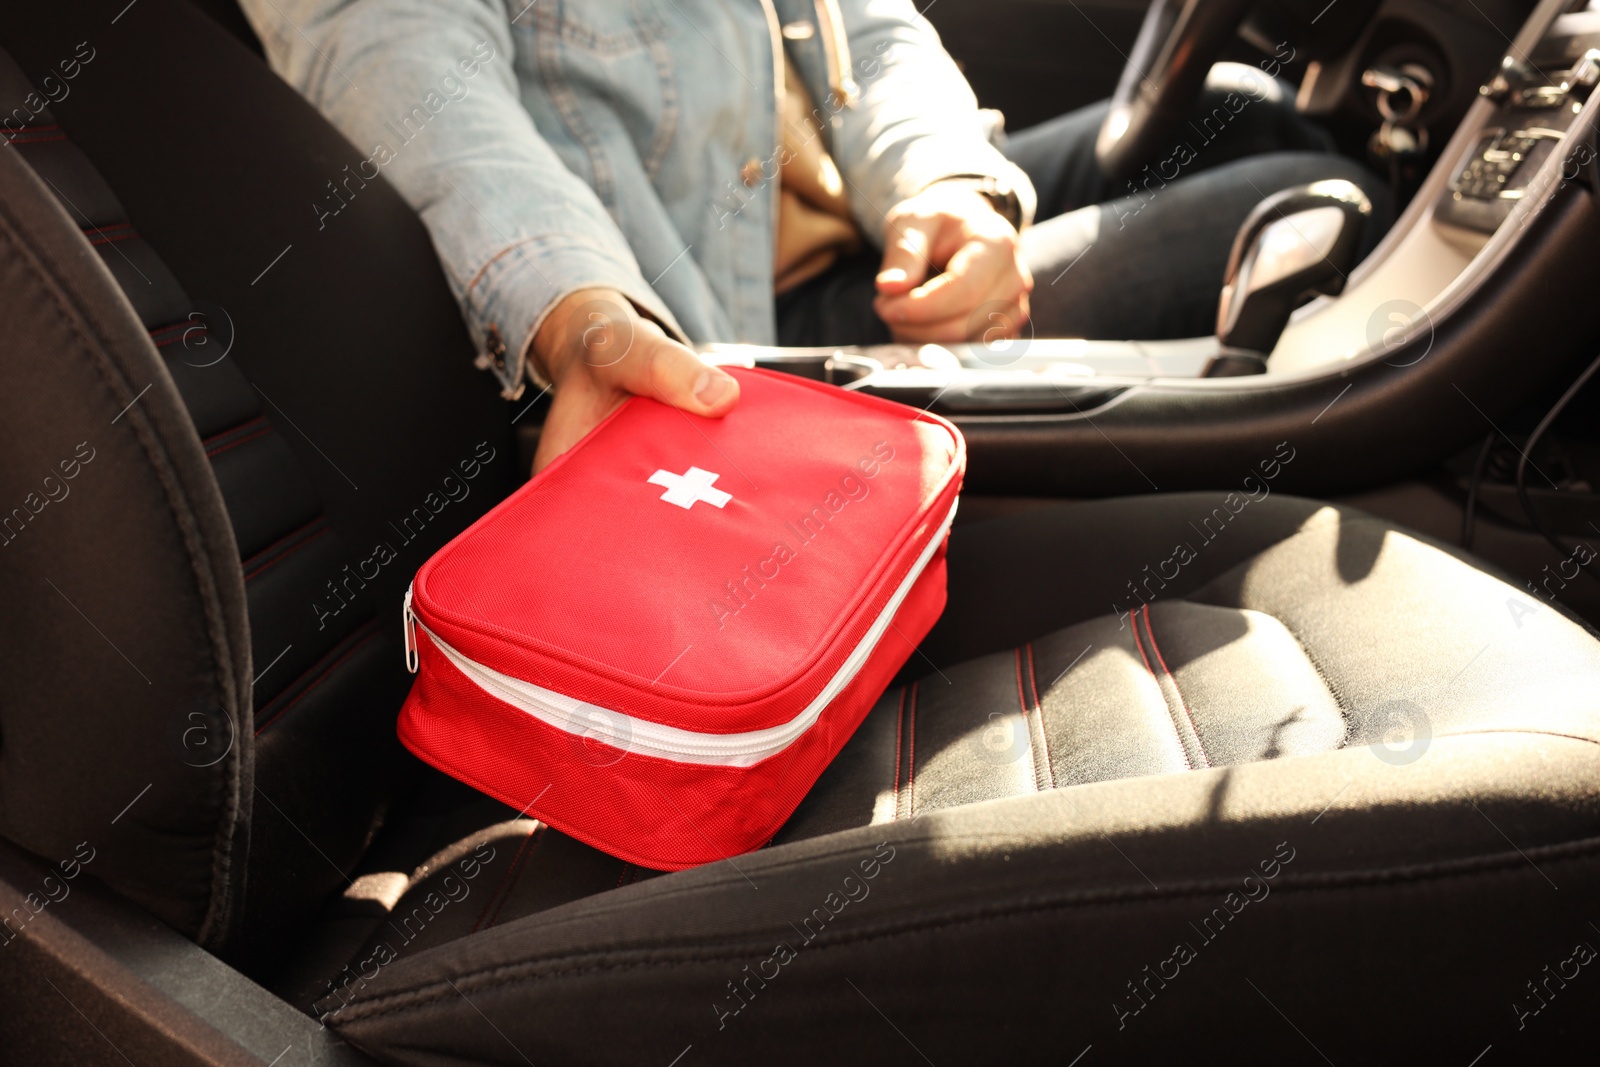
408,621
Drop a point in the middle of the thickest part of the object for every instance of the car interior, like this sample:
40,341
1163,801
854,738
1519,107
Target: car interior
1344,812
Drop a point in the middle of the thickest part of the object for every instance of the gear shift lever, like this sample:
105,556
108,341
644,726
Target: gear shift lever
1295,243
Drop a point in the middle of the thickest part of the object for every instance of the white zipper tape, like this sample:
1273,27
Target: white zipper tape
632,734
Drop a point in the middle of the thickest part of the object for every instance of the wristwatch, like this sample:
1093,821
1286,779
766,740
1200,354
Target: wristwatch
1000,194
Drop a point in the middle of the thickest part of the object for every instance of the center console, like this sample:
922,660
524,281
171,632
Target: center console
1022,375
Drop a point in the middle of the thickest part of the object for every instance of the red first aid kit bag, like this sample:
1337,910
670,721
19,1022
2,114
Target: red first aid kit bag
659,643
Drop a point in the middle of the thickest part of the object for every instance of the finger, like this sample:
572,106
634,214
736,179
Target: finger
953,330
905,259
979,271
655,366
997,324
661,368
611,352
993,322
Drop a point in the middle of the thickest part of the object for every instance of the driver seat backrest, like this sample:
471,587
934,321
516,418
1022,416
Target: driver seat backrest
253,360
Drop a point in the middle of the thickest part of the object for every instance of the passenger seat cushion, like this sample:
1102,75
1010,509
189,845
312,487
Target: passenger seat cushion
1293,628
1048,906
1097,701
1317,708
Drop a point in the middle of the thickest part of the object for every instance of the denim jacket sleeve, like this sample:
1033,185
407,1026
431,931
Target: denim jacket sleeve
427,91
915,120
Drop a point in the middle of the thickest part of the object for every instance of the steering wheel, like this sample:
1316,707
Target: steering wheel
1176,46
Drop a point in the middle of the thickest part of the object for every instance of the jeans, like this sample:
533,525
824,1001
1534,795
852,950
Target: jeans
1138,261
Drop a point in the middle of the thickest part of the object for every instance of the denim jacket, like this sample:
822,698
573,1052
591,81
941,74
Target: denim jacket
558,145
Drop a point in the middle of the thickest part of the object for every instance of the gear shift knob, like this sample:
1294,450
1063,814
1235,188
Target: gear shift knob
1293,244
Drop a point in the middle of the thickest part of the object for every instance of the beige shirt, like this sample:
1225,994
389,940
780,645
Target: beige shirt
814,223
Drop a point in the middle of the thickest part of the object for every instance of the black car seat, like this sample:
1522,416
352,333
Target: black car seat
1130,797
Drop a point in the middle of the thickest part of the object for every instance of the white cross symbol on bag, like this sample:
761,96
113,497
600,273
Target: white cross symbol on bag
686,489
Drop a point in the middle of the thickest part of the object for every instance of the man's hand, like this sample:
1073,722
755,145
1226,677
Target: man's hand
596,350
951,269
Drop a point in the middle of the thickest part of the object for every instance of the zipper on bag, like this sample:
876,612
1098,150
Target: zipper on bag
408,623
633,734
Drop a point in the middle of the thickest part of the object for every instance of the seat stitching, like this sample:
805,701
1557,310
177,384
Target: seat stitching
622,875
1027,722
110,226
220,434
1322,675
292,549
1151,630
1477,731
296,532
518,865
911,760
1305,650
1027,719
213,453
28,128
175,338
899,727
1406,877
504,877
1165,703
1022,698
372,632
1044,739
495,895
1203,594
